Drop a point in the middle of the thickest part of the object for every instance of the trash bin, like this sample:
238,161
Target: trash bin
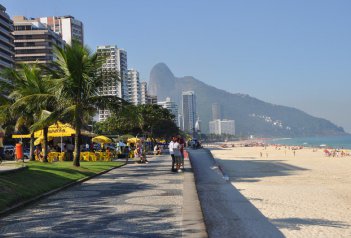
19,151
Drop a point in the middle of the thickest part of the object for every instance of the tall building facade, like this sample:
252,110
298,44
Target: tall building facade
220,127
133,87
7,47
112,86
34,41
171,106
143,92
216,111
122,67
189,111
67,27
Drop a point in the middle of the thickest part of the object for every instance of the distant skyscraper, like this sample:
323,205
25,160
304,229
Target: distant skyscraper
216,111
111,86
133,87
171,106
220,127
7,47
189,111
34,41
66,26
143,92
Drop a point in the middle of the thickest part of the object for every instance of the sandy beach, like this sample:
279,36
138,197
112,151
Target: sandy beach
303,195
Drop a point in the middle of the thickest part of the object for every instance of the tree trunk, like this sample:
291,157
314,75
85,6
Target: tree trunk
78,125
31,147
45,149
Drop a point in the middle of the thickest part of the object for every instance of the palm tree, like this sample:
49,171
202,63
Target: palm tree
79,74
32,99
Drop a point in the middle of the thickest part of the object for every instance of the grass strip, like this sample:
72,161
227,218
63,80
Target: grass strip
40,178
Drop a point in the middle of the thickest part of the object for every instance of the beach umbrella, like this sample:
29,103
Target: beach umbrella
101,139
133,140
39,140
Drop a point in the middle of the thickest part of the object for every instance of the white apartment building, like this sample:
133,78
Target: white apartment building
171,106
67,26
133,87
143,92
189,111
7,47
116,62
220,127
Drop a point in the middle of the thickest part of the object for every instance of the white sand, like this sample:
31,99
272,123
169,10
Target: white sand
308,195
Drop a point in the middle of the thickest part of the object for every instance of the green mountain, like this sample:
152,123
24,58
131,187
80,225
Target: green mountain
252,116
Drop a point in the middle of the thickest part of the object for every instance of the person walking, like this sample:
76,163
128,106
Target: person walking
177,155
182,145
2,136
171,152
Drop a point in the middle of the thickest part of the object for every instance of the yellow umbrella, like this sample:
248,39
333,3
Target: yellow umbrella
39,140
133,140
57,130
20,136
101,139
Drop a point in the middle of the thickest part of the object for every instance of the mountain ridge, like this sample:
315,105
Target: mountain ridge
252,116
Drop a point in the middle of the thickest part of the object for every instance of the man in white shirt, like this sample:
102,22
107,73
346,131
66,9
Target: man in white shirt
171,152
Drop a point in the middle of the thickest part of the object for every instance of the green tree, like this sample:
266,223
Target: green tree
79,74
149,120
30,99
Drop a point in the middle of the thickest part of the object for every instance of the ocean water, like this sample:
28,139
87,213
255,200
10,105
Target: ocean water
331,141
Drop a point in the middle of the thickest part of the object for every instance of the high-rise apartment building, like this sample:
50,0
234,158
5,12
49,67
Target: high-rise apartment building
143,92
133,87
7,47
216,111
171,106
189,111
67,27
220,127
34,41
112,86
122,68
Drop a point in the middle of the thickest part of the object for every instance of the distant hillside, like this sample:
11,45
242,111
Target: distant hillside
252,116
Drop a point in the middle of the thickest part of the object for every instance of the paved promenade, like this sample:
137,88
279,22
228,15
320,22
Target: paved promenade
137,200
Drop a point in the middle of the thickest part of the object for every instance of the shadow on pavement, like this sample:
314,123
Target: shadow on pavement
128,202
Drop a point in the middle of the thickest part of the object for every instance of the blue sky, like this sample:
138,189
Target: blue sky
294,53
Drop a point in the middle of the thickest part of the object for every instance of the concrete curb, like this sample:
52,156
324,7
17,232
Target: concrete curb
33,200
